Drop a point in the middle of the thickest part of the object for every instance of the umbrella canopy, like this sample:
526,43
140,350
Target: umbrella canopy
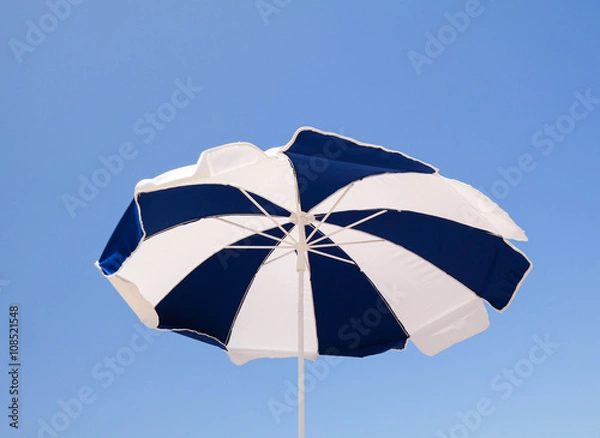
390,249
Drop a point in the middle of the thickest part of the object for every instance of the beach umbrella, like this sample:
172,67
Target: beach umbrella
325,246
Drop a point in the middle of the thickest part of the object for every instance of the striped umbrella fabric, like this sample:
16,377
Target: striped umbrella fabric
325,246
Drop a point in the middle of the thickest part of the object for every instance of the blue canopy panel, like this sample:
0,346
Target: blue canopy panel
168,208
199,337
207,300
352,317
123,241
483,262
345,161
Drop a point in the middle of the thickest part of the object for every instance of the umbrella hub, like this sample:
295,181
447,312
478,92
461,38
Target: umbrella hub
302,218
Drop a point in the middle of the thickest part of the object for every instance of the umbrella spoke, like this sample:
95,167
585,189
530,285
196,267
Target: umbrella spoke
331,256
260,233
327,245
329,212
347,227
256,247
279,256
260,207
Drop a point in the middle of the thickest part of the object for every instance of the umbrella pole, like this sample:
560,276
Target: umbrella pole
301,268
300,354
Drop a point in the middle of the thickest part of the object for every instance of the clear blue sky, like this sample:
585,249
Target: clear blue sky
488,97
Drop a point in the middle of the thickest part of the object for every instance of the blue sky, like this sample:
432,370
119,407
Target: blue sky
494,105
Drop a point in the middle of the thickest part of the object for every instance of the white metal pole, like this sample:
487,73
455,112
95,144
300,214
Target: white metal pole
301,268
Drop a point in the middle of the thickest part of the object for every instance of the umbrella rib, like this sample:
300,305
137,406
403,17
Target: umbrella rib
260,207
279,256
250,229
331,256
256,247
347,227
329,212
326,245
